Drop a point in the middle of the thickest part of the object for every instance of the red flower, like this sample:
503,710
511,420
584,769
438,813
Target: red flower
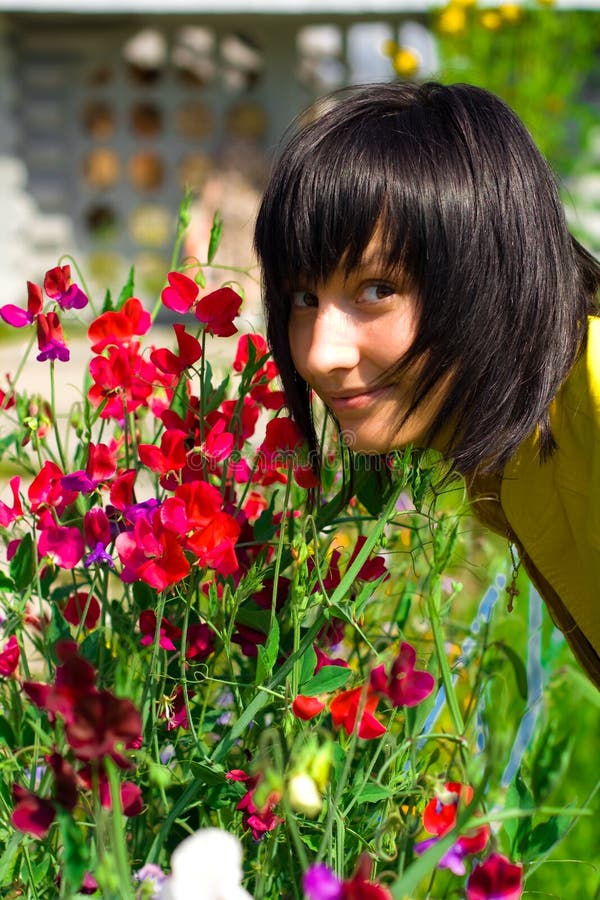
440,813
151,553
189,352
344,712
495,879
194,514
172,455
405,686
307,708
51,340
218,310
113,328
260,350
9,657
360,887
123,380
59,287
46,491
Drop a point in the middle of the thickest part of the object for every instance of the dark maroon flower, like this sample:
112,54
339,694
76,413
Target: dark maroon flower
200,641
102,725
405,685
31,814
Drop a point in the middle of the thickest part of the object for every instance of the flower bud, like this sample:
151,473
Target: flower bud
303,795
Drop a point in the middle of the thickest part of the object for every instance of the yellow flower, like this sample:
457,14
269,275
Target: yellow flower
405,62
452,20
492,20
546,2
511,12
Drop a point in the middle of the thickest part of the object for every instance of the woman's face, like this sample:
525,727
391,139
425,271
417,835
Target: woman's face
344,335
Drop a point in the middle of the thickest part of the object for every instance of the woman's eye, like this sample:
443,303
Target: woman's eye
302,299
376,292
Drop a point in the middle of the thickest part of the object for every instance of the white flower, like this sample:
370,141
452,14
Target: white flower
206,866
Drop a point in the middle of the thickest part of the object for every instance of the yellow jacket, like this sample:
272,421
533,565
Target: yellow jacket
552,510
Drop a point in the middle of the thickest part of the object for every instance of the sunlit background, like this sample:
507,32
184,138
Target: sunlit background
108,110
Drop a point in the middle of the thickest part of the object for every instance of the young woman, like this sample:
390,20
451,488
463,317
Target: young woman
420,278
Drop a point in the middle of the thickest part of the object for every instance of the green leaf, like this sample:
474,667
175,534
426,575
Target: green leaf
7,735
519,796
58,629
267,654
216,233
328,678
545,836
22,565
372,488
550,759
6,583
373,793
127,290
8,859
264,529
518,666
107,305
309,661
75,851
208,774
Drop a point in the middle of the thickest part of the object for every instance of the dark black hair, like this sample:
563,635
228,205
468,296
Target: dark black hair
469,210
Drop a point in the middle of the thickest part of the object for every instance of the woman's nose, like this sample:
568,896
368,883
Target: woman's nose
333,343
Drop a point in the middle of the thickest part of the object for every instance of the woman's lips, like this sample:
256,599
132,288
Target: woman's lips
356,401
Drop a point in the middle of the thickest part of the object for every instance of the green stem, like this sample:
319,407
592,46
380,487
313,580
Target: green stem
433,605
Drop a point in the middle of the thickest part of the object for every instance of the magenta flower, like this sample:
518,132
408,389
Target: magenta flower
18,317
51,340
405,685
495,879
62,544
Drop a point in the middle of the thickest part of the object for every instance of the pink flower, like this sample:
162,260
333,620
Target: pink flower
405,685
181,293
9,513
9,657
495,879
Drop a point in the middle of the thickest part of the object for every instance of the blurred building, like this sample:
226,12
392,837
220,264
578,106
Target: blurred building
108,109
